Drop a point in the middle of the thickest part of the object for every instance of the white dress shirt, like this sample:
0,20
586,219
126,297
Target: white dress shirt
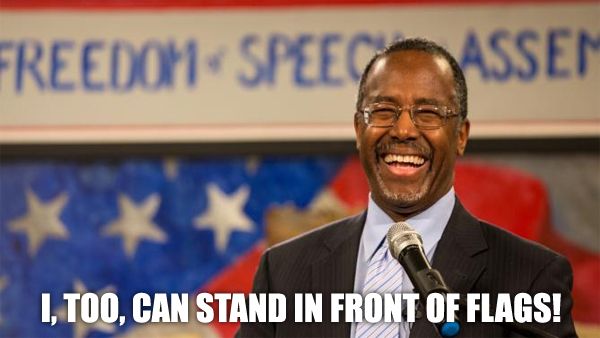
430,224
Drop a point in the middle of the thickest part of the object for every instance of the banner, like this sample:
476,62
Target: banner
278,72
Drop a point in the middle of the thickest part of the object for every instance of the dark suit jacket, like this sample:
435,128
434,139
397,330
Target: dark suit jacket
472,256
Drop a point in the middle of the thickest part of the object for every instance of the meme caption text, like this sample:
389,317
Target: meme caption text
308,307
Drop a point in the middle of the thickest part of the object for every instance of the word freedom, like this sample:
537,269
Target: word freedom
271,307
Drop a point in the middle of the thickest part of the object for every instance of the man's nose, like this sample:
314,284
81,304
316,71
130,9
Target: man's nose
404,128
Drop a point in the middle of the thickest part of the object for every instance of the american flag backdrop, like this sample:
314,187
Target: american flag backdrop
201,72
133,226
190,225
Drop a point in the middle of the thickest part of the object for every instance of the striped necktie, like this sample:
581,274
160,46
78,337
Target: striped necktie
384,275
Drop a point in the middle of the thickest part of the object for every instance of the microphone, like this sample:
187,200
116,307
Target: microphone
406,245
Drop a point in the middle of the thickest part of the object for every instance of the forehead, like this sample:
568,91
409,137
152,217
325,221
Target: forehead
411,75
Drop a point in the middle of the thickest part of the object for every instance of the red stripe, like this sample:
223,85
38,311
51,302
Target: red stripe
235,278
232,4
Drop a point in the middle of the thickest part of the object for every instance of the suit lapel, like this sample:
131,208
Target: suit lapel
335,272
460,257
460,254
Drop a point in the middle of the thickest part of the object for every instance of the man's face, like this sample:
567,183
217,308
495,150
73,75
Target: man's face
409,169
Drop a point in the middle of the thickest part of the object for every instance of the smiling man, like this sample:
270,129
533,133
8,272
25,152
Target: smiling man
410,127
411,124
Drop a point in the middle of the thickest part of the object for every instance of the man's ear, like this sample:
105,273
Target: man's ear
358,129
463,136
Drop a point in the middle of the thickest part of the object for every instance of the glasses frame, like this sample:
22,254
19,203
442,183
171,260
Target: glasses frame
444,112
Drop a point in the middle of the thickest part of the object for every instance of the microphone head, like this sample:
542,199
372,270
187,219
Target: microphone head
400,236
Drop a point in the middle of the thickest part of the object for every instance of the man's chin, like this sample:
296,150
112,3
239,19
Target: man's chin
402,199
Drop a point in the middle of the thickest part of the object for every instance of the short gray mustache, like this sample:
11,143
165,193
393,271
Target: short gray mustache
403,146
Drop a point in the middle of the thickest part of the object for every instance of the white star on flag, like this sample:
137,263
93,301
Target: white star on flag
81,328
41,221
135,223
224,214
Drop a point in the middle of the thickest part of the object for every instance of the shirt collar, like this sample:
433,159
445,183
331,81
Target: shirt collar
430,224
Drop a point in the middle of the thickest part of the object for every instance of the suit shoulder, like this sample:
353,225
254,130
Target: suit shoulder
311,246
319,236
289,264
518,249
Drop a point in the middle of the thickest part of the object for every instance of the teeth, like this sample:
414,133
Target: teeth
415,160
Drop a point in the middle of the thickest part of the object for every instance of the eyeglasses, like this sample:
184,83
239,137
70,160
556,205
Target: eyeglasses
423,116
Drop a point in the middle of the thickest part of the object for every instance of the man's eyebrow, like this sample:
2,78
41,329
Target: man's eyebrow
382,98
425,100
391,99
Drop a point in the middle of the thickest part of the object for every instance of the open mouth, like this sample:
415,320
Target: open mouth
404,160
404,165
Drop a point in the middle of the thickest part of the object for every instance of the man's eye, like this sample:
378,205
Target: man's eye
426,115
427,112
383,111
